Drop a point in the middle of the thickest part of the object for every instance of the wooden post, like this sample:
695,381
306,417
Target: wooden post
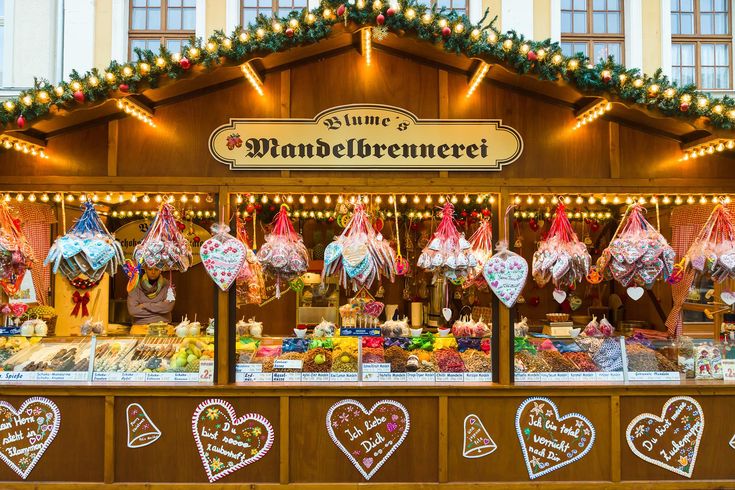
443,470
284,440
505,359
223,317
615,458
109,458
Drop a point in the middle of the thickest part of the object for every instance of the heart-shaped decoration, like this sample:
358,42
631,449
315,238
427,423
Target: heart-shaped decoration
227,443
447,313
223,256
364,436
354,253
548,441
635,293
671,440
332,252
728,260
505,273
727,297
575,302
559,295
477,440
27,432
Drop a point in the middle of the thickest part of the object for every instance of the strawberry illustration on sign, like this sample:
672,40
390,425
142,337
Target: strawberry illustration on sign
234,141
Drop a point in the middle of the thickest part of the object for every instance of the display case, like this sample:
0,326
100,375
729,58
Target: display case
651,360
47,359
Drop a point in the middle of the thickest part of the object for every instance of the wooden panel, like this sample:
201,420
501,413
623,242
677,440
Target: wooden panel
173,457
315,458
506,463
714,460
76,454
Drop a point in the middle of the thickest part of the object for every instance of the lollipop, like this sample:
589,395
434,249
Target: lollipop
16,255
448,252
360,254
283,255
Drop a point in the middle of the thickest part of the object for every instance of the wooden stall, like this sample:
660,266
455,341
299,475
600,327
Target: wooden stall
497,433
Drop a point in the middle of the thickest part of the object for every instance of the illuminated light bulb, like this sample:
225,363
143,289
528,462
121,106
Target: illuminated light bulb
120,198
628,200
517,199
475,34
605,74
491,199
710,149
441,199
27,100
654,200
426,18
686,98
731,114
260,32
541,53
377,5
654,88
133,198
638,82
542,200
340,199
197,198
459,28
641,200
328,199
492,37
466,199
507,44
193,52
108,197
622,77
360,4
327,13
603,200
293,23
410,14
244,36
277,199
694,154
714,199
310,18
44,197
146,198
525,48
702,102
730,144
391,199
479,199
678,200
701,152
69,198
42,96
404,200
529,200
717,109
690,200
251,199
227,43
184,198
579,200
720,147
127,71
429,199
443,23
573,64
592,200
669,93
416,199
75,86
556,59
211,46
9,105
302,199
95,197
289,199
315,199
32,198
277,27
727,199
702,200
378,199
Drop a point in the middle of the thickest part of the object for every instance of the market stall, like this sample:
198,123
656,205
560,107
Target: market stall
366,244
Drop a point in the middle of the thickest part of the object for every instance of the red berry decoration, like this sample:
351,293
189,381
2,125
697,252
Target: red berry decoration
250,208
486,212
391,12
258,207
341,10
684,106
289,32
532,56
380,19
181,226
124,87
21,121
185,63
446,31
79,96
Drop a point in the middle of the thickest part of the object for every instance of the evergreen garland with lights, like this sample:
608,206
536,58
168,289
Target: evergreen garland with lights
456,33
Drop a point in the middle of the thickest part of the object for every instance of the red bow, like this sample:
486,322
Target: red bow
80,300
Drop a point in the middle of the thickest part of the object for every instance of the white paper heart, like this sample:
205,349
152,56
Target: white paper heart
635,293
231,443
368,437
506,273
559,295
37,421
727,297
447,313
223,256
671,440
569,438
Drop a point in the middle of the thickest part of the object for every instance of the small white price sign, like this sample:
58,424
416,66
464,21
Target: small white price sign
728,369
206,371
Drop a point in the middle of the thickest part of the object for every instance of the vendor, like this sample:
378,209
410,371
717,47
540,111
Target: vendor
148,303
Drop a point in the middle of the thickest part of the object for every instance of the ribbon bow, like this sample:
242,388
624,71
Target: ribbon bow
80,301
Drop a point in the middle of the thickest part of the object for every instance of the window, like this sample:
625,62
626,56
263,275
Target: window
251,9
2,37
459,6
593,28
701,43
161,22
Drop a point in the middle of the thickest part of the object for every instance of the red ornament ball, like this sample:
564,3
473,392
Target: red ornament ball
380,19
532,56
181,226
250,208
289,32
486,212
21,121
464,214
684,106
446,31
258,207
185,63
272,208
341,10
197,239
79,96
606,78
331,220
391,12
124,87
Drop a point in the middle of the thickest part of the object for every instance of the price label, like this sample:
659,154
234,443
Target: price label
132,377
107,376
253,377
342,377
376,367
478,377
18,376
320,377
249,368
450,377
420,377
392,377
728,369
288,364
291,377
206,371
653,376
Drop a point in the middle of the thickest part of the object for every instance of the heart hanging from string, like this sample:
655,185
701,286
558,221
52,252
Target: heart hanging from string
283,255
506,271
712,254
16,254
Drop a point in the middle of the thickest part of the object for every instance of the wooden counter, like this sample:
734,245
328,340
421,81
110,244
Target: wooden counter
91,446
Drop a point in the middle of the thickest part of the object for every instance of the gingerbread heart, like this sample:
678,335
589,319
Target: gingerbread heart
671,440
227,443
223,256
368,437
505,273
548,441
27,432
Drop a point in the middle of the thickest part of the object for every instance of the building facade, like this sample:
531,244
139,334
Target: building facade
691,40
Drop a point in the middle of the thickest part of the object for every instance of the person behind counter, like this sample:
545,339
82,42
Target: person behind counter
147,302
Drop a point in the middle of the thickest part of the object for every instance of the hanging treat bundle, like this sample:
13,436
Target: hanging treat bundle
448,252
713,250
561,258
223,256
283,255
163,246
250,282
86,251
481,244
16,255
360,254
637,255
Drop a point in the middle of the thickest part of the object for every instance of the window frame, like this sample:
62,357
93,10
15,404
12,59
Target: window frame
163,34
274,8
591,38
697,38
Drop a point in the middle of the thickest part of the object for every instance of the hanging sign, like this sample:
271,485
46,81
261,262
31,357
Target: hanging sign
131,234
366,136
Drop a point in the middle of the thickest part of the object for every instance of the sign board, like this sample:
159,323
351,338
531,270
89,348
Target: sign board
130,234
365,137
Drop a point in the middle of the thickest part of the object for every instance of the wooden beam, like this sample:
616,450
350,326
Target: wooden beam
113,131
614,150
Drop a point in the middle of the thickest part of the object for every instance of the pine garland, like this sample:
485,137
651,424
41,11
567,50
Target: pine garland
455,32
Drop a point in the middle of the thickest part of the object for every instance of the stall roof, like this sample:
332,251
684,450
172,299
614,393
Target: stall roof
661,114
